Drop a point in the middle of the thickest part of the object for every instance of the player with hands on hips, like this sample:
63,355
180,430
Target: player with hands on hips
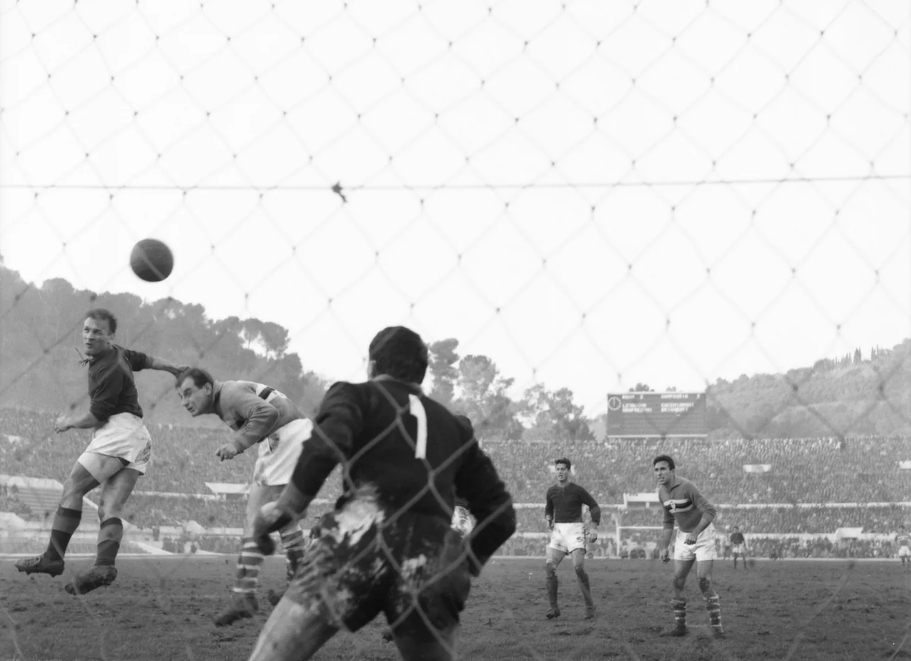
563,512
684,505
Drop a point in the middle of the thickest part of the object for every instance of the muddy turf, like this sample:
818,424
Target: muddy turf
163,609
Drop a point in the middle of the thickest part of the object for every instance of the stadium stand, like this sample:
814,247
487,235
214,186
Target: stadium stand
40,496
797,492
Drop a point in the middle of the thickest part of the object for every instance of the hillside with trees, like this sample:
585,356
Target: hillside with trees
852,396
40,341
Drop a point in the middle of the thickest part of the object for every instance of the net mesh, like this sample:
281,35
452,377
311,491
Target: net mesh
673,193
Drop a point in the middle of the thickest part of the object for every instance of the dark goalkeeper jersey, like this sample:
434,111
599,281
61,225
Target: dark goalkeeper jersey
412,451
564,504
111,386
737,538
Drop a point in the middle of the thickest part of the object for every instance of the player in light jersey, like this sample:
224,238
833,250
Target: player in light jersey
119,453
903,541
685,505
563,512
262,416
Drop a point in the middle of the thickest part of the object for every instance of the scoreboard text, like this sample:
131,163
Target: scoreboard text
656,414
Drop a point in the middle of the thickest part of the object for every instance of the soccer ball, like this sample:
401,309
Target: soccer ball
151,260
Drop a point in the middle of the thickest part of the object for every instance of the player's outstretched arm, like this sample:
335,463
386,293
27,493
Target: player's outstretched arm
76,421
261,418
162,365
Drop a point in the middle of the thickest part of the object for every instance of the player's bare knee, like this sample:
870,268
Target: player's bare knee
580,571
679,582
705,584
550,568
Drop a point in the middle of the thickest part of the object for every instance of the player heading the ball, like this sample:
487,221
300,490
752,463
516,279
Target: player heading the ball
260,416
693,514
118,454
563,512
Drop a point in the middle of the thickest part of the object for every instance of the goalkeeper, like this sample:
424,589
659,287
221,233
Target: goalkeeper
388,547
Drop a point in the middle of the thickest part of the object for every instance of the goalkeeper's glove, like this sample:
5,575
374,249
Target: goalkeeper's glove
270,518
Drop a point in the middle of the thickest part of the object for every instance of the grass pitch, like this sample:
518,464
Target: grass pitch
162,609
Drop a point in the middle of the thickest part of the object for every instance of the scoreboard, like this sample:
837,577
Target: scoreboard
656,414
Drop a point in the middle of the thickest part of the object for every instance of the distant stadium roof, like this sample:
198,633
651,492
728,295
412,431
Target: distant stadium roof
642,499
848,533
226,488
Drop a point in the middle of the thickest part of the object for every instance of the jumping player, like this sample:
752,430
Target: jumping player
738,547
388,546
563,512
684,504
118,454
903,540
264,416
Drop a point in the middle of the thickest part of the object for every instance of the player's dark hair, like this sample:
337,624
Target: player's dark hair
565,461
399,352
101,314
667,458
199,375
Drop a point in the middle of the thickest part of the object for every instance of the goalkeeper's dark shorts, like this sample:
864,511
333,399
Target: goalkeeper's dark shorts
412,568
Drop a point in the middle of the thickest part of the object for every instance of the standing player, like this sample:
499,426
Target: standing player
738,546
903,541
563,511
693,514
118,454
388,546
259,415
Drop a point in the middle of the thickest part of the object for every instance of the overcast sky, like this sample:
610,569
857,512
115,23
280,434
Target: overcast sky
593,194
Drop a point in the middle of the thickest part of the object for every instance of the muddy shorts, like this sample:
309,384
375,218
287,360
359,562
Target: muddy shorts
413,569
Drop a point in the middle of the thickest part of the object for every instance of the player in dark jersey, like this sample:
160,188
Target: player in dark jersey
684,505
738,546
262,417
388,546
118,454
563,512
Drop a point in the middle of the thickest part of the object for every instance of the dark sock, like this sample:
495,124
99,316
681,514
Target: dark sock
109,538
66,521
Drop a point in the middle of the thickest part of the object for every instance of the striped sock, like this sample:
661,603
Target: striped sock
248,565
294,544
66,521
109,538
679,606
713,606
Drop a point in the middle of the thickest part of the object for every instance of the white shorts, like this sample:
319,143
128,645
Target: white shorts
567,537
738,549
461,521
904,551
703,549
278,454
123,436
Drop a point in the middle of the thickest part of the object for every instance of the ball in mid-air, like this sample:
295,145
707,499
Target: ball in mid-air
151,260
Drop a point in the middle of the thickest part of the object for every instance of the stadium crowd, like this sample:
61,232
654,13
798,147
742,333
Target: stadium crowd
815,472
